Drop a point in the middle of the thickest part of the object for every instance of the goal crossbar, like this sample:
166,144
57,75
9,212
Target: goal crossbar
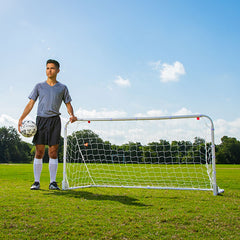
65,185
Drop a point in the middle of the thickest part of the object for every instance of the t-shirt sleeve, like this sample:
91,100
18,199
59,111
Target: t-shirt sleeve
66,97
34,94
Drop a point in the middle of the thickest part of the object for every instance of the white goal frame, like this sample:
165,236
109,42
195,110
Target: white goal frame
216,190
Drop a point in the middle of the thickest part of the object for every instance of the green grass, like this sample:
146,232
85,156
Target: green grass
152,175
116,213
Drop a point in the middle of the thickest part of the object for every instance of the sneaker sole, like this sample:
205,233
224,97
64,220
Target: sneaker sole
54,188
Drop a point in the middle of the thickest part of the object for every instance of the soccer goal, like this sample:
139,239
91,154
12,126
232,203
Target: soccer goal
172,152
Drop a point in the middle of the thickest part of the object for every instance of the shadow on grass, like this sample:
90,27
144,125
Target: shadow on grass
99,197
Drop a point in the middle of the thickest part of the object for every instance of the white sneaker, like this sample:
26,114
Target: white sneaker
35,186
53,186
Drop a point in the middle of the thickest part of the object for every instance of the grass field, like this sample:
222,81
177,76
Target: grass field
191,176
116,213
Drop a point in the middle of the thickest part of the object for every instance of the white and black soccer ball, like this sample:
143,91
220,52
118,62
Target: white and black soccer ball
28,128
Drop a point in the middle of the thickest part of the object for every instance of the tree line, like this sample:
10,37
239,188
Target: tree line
14,150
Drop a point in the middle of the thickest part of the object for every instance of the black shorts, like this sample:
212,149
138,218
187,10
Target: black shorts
48,131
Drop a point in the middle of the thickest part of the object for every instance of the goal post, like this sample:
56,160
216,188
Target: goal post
168,152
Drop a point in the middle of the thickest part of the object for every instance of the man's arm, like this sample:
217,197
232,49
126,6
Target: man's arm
26,111
70,112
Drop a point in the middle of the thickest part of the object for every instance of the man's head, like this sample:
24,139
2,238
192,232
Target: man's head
56,63
52,68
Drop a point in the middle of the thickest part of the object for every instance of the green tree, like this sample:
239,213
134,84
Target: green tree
181,151
88,145
199,149
228,151
60,150
12,149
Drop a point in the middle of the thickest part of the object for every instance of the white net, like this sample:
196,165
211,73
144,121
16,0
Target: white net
149,153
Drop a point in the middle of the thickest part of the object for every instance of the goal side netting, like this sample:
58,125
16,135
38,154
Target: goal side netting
175,152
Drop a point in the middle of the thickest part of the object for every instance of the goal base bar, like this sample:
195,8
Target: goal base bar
142,187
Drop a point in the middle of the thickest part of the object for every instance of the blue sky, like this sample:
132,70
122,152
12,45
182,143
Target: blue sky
126,58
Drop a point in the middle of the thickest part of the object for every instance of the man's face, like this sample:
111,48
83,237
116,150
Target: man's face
51,70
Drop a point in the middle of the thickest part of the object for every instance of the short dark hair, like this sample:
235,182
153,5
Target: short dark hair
56,63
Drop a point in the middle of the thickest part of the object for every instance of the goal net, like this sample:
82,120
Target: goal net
176,152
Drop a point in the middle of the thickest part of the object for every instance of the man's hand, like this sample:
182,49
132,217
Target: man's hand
70,112
19,124
72,118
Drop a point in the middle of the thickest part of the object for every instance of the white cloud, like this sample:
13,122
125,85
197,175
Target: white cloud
122,82
225,128
123,131
160,112
104,113
152,113
169,73
183,111
7,121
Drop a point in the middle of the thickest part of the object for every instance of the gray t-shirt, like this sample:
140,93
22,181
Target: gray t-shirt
50,98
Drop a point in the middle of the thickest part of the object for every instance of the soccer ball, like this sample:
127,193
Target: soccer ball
28,128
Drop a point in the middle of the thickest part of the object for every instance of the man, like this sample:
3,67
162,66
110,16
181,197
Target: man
50,93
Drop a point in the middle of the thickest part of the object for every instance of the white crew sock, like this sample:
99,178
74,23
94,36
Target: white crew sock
37,169
53,165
